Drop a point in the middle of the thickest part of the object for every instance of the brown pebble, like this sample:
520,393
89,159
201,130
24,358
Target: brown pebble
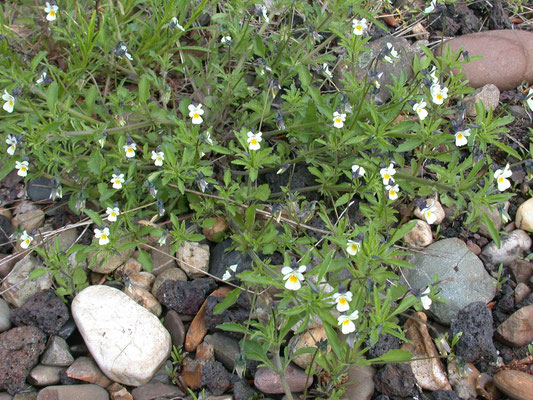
517,385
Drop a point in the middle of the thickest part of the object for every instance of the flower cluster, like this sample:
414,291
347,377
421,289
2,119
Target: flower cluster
388,180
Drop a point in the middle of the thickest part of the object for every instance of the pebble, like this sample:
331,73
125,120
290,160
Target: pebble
175,327
17,287
396,380
191,372
119,392
517,385
215,377
428,372
161,258
488,96
19,352
463,378
524,216
268,381
5,322
216,232
506,61
123,353
85,369
142,279
6,230
513,246
57,353
171,274
70,392
227,349
30,220
193,258
463,277
144,298
185,297
243,391
151,391
522,270
310,338
107,262
44,375
420,235
131,266
44,310
521,292
517,330
39,189
360,384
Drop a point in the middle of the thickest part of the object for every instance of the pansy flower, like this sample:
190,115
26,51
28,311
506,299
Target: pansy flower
11,141
425,299
387,173
195,113
254,139
26,240
117,181
22,167
343,300
353,247
430,213
51,11
326,71
357,171
112,213
346,322
359,26
438,93
9,102
420,109
158,157
390,54
393,191
226,40
461,137
338,119
293,277
501,178
102,236
130,148
230,272
174,24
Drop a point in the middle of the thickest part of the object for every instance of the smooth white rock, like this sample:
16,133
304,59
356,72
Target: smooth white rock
193,258
524,216
128,342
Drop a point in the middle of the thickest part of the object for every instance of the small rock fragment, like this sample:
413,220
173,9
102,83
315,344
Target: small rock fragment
521,292
524,216
268,381
85,369
151,391
463,378
5,322
162,258
185,297
396,380
215,377
310,338
360,385
513,246
522,270
57,353
488,96
175,327
144,298
517,385
420,235
44,375
70,392
142,279
517,330
193,259
170,274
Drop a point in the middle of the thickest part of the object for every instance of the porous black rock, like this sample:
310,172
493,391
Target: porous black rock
237,313
6,230
384,344
185,297
396,380
445,395
215,378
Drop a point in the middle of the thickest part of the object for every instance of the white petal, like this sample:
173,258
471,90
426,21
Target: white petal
286,270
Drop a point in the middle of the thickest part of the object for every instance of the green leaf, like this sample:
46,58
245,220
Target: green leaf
400,233
79,276
93,215
51,96
262,193
146,260
232,327
7,168
391,356
345,198
209,222
94,165
409,145
303,74
259,46
254,351
228,301
37,273
493,232
144,89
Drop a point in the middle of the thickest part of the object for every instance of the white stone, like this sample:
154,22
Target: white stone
193,258
5,322
524,216
420,235
513,247
128,342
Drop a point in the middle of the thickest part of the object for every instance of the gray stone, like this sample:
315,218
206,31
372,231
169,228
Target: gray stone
70,392
5,323
193,259
513,247
39,189
44,375
17,287
488,96
227,349
65,239
106,262
463,279
57,353
151,391
172,274
268,381
161,257
175,327
524,216
360,385
29,220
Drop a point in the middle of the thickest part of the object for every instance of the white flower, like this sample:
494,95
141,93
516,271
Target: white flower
392,54
345,321
103,235
358,171
226,40
359,26
352,248
438,93
41,78
158,157
112,213
461,137
254,139
430,213
501,175
22,167
343,300
293,277
51,11
393,191
387,173
338,119
530,100
420,109
174,23
9,102
433,75
425,299
327,72
208,138
229,272
26,240
195,113
130,149
117,181
264,10
12,144
431,7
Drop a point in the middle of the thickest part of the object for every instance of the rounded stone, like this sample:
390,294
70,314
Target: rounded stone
309,338
171,274
488,96
524,216
69,392
517,330
5,322
128,342
193,259
44,375
420,236
517,385
512,247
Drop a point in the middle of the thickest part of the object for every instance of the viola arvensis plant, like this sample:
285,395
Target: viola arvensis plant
51,11
195,112
501,178
346,322
11,142
461,137
158,157
425,299
387,173
293,277
430,213
393,191
359,26
343,300
117,181
338,119
254,139
26,240
438,93
9,102
112,213
22,167
353,247
130,148
102,236
420,109
357,171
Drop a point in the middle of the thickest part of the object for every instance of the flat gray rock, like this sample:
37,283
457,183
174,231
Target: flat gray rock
463,279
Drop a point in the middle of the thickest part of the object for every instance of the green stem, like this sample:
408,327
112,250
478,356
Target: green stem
281,372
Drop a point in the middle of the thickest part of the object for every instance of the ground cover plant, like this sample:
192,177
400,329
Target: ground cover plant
158,118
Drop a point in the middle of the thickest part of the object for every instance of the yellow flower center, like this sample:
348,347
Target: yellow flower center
253,141
293,279
195,115
338,120
10,102
130,150
23,169
420,109
52,13
459,136
386,176
104,236
27,241
346,322
439,96
117,182
428,214
359,27
392,192
342,301
500,179
354,247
